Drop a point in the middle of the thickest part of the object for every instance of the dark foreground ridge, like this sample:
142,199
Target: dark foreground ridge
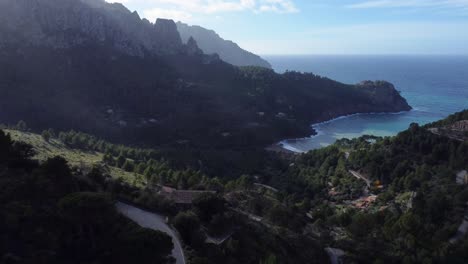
368,200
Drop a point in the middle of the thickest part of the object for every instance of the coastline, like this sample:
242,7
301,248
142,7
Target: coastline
317,132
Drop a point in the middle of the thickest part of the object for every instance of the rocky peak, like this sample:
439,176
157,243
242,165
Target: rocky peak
167,26
166,31
95,3
192,47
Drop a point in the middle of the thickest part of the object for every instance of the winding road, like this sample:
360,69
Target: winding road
335,254
462,229
153,221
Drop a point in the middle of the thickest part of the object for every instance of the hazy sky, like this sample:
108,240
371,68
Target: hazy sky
325,26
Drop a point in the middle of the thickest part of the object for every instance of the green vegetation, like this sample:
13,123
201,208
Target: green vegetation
139,167
241,240
403,204
50,215
419,206
54,147
463,115
210,216
83,160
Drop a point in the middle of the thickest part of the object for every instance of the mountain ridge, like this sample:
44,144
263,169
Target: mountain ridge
210,42
68,23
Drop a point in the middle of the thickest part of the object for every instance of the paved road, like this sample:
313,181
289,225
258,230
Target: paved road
461,232
335,255
436,131
155,222
462,229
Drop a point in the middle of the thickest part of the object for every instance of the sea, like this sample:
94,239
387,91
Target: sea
434,85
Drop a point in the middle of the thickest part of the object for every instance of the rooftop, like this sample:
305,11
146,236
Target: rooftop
181,196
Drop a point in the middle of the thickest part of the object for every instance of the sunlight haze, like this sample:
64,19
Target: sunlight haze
324,26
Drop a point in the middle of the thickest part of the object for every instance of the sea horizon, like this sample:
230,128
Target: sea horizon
365,54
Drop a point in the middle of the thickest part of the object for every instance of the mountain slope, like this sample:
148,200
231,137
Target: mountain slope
70,64
210,42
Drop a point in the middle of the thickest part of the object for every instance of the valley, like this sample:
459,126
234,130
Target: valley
125,140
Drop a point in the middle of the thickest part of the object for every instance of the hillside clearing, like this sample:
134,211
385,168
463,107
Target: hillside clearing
75,157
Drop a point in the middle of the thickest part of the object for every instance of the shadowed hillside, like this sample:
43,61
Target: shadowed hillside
101,69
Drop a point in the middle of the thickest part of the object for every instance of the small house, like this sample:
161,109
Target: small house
182,198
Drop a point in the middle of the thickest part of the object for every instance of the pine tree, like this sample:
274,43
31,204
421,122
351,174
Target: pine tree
21,126
149,172
46,135
121,161
51,132
128,166
140,169
108,159
63,137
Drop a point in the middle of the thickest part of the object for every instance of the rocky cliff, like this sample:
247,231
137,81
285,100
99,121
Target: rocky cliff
384,94
68,23
210,42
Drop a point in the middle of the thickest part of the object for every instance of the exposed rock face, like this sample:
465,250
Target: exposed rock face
192,47
210,42
67,23
166,30
385,95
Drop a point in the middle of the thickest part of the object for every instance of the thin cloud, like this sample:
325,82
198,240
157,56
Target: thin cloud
177,15
219,6
277,6
410,3
206,6
186,9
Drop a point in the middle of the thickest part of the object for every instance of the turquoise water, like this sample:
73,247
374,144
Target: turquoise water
435,86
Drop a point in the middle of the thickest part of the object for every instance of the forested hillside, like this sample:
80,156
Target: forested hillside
80,201
49,215
411,208
399,199
98,68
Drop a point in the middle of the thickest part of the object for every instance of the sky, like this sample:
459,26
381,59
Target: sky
301,27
